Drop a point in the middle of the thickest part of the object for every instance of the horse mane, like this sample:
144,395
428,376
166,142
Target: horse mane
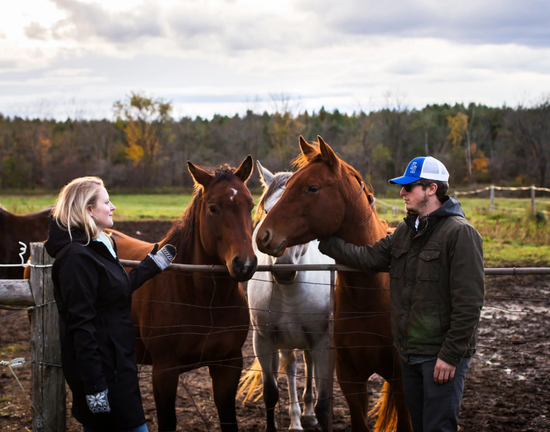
182,233
278,180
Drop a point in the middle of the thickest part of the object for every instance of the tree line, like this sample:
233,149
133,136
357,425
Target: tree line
144,147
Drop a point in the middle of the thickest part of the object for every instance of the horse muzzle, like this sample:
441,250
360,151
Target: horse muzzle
284,277
243,270
265,242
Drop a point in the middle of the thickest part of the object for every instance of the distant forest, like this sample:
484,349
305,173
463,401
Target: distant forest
145,148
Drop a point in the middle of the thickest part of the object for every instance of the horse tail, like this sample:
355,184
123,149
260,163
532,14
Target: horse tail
252,380
386,410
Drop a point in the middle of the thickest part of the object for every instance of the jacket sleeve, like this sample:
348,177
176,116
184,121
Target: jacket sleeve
467,285
146,270
78,280
370,259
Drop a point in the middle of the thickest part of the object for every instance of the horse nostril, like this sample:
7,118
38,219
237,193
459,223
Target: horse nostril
243,271
265,238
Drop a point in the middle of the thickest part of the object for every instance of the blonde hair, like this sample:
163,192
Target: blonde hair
71,208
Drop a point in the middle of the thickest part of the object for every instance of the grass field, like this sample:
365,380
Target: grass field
512,235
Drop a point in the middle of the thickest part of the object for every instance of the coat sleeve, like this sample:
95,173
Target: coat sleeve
146,270
467,285
78,281
370,259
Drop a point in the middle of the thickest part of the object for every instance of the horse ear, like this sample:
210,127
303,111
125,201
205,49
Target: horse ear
327,153
245,169
308,150
266,177
200,176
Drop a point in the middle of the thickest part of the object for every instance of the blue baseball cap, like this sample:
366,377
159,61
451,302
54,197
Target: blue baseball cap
424,167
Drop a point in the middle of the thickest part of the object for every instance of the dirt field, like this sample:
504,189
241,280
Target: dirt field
507,386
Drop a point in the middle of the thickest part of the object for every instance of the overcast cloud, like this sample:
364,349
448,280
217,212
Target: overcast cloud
216,56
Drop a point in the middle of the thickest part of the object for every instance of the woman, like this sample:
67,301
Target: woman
93,293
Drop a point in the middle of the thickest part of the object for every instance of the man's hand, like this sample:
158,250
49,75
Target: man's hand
443,372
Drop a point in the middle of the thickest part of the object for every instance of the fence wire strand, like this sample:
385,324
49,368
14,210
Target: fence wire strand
484,345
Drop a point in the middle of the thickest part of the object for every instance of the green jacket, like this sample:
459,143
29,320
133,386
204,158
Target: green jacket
437,281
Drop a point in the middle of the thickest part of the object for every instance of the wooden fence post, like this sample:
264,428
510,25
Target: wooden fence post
456,195
533,209
331,353
48,383
492,199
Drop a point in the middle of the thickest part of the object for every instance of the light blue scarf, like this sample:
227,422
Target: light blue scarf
107,242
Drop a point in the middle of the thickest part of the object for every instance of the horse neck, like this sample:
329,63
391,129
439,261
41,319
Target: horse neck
361,227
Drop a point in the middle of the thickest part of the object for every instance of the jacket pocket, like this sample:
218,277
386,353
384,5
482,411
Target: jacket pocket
398,261
429,265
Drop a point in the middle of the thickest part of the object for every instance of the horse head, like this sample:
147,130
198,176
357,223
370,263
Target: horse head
319,200
274,186
223,217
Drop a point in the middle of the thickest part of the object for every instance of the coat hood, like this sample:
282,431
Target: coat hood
450,207
58,237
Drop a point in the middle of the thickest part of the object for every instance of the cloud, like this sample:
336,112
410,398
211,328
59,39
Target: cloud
90,20
36,31
474,22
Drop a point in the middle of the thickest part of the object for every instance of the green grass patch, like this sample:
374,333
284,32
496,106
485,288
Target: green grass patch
512,235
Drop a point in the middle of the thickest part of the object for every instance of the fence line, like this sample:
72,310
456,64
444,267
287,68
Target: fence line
492,189
41,301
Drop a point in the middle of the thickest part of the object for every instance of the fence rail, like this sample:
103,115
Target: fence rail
47,378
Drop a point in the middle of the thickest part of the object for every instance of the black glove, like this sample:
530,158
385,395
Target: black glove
163,257
99,402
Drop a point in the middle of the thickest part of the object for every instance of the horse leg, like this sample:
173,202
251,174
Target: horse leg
289,364
225,381
268,356
308,419
320,367
165,387
353,382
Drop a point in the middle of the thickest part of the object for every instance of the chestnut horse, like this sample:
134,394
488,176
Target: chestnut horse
186,321
327,196
32,227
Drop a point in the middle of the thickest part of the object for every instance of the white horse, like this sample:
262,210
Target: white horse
288,312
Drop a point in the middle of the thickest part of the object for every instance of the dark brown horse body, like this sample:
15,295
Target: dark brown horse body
185,321
32,227
328,197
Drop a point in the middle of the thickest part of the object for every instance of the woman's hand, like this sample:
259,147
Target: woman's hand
99,402
163,257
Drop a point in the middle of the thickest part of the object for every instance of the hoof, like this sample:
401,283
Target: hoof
309,421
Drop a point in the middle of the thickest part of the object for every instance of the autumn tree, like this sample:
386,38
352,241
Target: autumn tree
145,122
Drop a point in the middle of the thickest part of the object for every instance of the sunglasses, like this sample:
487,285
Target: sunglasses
409,187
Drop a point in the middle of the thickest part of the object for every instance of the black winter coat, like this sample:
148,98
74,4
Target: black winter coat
93,293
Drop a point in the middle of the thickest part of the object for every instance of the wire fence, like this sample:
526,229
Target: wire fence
490,357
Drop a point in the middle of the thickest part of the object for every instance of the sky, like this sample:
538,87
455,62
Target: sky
75,58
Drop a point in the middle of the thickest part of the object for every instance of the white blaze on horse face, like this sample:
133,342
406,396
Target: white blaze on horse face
272,200
234,193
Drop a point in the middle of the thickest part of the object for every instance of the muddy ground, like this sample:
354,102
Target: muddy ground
507,386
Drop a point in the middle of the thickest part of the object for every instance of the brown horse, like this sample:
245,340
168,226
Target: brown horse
32,227
327,196
186,321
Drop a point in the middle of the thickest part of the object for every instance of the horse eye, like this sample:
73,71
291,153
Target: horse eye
312,189
212,209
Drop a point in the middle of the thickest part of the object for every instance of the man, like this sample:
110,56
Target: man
435,261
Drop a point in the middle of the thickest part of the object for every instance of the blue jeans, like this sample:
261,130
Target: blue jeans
433,407
142,428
